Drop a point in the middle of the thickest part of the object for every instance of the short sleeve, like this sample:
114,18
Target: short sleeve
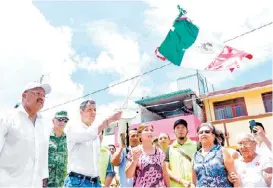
167,159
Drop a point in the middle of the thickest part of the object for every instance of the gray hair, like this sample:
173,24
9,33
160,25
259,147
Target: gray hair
84,104
241,136
207,125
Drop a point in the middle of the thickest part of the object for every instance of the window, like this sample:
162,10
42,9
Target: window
267,99
230,108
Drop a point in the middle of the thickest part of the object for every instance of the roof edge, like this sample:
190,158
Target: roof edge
163,96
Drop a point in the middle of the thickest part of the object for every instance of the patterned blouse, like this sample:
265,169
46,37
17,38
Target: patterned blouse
210,170
149,172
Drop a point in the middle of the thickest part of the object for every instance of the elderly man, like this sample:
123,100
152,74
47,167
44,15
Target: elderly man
57,152
84,146
24,141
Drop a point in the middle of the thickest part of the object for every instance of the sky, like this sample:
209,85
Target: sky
84,46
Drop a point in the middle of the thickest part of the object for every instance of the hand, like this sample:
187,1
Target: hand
114,117
185,183
136,152
45,182
122,136
260,132
232,177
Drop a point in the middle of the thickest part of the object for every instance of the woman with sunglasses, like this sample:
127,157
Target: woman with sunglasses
146,162
212,163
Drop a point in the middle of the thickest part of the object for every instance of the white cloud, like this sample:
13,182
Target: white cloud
133,89
30,47
120,53
224,20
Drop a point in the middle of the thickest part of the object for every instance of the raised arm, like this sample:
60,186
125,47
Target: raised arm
118,155
230,166
132,161
79,134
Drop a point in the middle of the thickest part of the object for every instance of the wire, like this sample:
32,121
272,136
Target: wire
108,87
147,72
251,31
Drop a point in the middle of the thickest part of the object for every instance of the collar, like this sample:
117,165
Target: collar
85,126
22,111
175,144
103,149
52,133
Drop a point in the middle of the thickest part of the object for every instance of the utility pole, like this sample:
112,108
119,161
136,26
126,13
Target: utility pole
41,79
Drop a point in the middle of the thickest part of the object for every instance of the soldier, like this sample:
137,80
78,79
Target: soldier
57,152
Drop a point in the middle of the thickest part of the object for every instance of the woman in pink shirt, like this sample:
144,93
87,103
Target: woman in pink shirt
146,163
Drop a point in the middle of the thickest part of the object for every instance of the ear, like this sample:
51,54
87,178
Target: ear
24,95
81,111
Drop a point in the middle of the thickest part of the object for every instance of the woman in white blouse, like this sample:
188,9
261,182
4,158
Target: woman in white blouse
253,169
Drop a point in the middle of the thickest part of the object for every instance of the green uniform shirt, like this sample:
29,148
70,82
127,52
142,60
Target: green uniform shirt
57,160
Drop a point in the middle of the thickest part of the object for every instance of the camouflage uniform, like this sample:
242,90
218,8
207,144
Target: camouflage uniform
57,160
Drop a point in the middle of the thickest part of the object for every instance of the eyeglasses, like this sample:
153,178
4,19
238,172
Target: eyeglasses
62,120
245,144
204,132
38,94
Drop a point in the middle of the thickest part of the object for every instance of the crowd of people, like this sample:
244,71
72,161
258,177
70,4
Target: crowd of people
31,156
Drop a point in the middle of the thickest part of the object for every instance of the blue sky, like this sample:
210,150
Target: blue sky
129,16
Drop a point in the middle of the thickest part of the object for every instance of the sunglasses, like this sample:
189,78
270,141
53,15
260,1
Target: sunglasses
204,132
62,119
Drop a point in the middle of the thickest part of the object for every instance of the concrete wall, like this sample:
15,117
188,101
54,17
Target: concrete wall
147,116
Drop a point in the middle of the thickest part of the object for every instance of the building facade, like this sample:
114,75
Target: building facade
231,110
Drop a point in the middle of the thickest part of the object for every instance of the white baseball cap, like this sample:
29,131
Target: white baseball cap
32,85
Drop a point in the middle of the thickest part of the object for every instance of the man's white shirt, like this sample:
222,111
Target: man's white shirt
83,149
23,150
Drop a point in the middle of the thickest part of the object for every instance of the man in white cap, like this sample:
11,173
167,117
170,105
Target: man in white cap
24,141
